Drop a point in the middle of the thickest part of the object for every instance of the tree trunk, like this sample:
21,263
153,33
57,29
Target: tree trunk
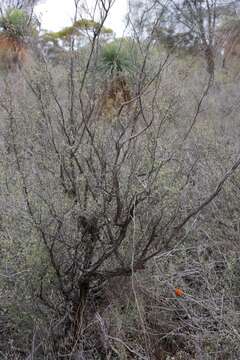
79,312
209,56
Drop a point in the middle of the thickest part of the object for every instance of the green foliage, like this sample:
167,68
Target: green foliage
85,24
15,22
116,58
64,33
77,29
50,37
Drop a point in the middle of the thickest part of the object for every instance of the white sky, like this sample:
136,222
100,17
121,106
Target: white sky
56,14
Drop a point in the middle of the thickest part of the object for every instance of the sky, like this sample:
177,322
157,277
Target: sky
56,14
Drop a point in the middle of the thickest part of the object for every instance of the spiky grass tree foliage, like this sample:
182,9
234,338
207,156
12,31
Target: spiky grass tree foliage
14,27
115,59
15,22
117,64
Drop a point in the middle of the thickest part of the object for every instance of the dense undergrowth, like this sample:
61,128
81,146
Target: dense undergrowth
117,188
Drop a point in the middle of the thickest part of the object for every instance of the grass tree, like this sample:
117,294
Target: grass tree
15,26
116,63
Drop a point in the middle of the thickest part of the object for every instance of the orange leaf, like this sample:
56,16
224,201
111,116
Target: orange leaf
179,292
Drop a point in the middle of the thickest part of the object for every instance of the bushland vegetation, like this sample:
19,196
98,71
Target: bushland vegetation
120,183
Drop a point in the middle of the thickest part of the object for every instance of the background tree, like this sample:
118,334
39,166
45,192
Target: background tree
228,32
191,24
18,4
202,19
